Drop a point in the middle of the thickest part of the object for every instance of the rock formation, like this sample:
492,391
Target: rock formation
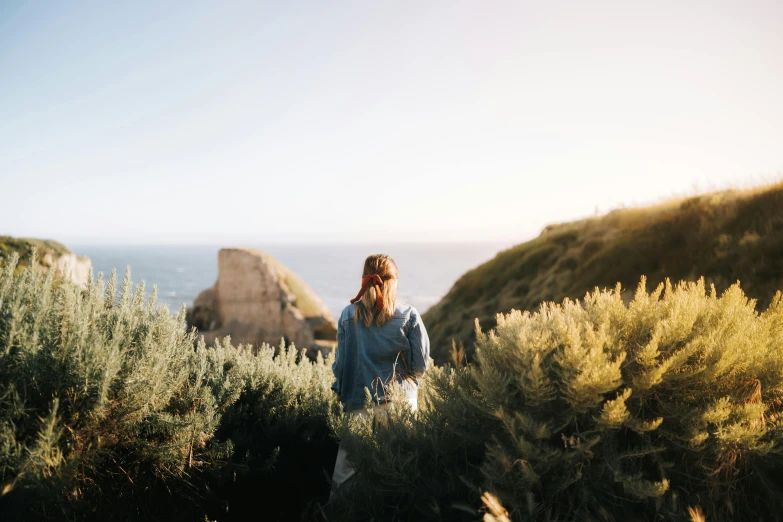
73,267
50,255
258,300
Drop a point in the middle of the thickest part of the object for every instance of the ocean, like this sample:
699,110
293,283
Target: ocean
333,271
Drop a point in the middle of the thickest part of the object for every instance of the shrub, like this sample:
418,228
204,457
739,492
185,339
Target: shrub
613,411
96,392
422,466
595,410
107,405
278,424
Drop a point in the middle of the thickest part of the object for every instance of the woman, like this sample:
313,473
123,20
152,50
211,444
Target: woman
379,342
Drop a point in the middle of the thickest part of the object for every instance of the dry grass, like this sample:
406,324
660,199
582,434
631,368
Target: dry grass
495,510
724,236
696,514
306,300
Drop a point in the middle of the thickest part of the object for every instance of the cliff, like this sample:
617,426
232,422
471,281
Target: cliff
258,300
724,236
51,255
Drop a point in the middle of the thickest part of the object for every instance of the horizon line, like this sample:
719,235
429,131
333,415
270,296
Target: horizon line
254,243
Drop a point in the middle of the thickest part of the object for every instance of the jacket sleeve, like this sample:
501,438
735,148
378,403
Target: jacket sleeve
420,345
337,365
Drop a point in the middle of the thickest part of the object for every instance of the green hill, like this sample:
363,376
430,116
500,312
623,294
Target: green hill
25,246
724,236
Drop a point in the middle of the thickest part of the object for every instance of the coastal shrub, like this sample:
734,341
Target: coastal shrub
595,410
278,426
418,466
98,392
614,411
108,405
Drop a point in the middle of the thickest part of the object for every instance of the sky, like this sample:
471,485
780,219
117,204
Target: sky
407,121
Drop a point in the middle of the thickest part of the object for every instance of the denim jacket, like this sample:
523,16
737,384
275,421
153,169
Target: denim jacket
374,356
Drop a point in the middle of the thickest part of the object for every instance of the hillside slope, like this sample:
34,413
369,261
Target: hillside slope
51,255
725,237
24,247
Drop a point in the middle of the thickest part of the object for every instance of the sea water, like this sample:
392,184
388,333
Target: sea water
333,271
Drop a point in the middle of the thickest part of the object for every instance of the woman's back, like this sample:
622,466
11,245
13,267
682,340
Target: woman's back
375,356
379,341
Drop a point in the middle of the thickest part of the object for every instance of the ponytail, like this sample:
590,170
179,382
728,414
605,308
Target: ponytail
377,299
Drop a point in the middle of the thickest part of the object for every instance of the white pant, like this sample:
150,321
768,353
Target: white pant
343,469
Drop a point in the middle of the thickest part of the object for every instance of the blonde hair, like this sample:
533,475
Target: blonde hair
365,310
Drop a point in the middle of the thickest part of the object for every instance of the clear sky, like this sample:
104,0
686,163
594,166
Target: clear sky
225,122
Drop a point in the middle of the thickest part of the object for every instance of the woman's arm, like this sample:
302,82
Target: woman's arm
420,345
337,365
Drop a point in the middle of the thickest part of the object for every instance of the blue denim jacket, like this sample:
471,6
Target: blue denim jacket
374,356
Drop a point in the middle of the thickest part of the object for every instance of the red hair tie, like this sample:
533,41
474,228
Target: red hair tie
375,280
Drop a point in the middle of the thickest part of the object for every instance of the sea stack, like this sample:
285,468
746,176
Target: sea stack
256,299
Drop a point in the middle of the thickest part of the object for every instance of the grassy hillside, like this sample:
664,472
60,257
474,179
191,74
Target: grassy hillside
24,247
725,236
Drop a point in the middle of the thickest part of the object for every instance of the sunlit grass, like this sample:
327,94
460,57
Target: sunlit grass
725,236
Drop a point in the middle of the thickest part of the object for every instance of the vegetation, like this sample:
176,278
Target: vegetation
594,411
725,237
663,408
306,300
24,247
107,408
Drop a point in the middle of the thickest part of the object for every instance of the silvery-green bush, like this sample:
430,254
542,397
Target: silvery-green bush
107,402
